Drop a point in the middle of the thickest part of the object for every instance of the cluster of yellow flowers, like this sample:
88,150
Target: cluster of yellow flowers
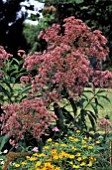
72,153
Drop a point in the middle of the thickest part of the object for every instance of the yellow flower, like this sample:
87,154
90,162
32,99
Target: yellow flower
71,162
55,157
33,159
64,154
49,160
57,168
90,158
97,142
90,147
28,157
53,151
38,163
48,166
63,144
70,137
94,159
76,139
84,141
35,154
78,154
79,158
71,156
74,149
17,165
46,147
90,164
82,164
49,140
42,154
56,143
76,166
23,163
85,138
77,131
60,156
90,138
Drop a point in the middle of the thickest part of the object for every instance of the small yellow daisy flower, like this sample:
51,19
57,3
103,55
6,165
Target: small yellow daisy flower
82,164
33,159
28,157
63,144
38,163
79,159
76,166
57,168
72,157
17,165
56,143
94,159
78,154
74,149
77,131
35,154
23,163
71,162
49,140
90,158
76,139
90,147
90,164
46,147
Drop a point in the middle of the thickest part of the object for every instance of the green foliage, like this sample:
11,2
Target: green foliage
81,113
3,141
9,87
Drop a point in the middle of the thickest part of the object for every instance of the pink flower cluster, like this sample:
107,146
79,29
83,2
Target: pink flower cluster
64,67
29,115
105,124
66,62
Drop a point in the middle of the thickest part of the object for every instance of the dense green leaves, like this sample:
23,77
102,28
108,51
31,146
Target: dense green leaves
9,87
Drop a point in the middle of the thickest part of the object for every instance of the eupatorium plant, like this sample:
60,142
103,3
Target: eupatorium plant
65,65
62,71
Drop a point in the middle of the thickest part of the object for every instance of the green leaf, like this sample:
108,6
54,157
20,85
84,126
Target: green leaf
105,97
81,102
6,82
92,114
3,141
14,72
101,91
94,108
86,97
92,120
17,61
28,87
12,79
88,91
3,90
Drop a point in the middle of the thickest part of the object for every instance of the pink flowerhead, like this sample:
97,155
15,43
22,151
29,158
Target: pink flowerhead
55,129
35,149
